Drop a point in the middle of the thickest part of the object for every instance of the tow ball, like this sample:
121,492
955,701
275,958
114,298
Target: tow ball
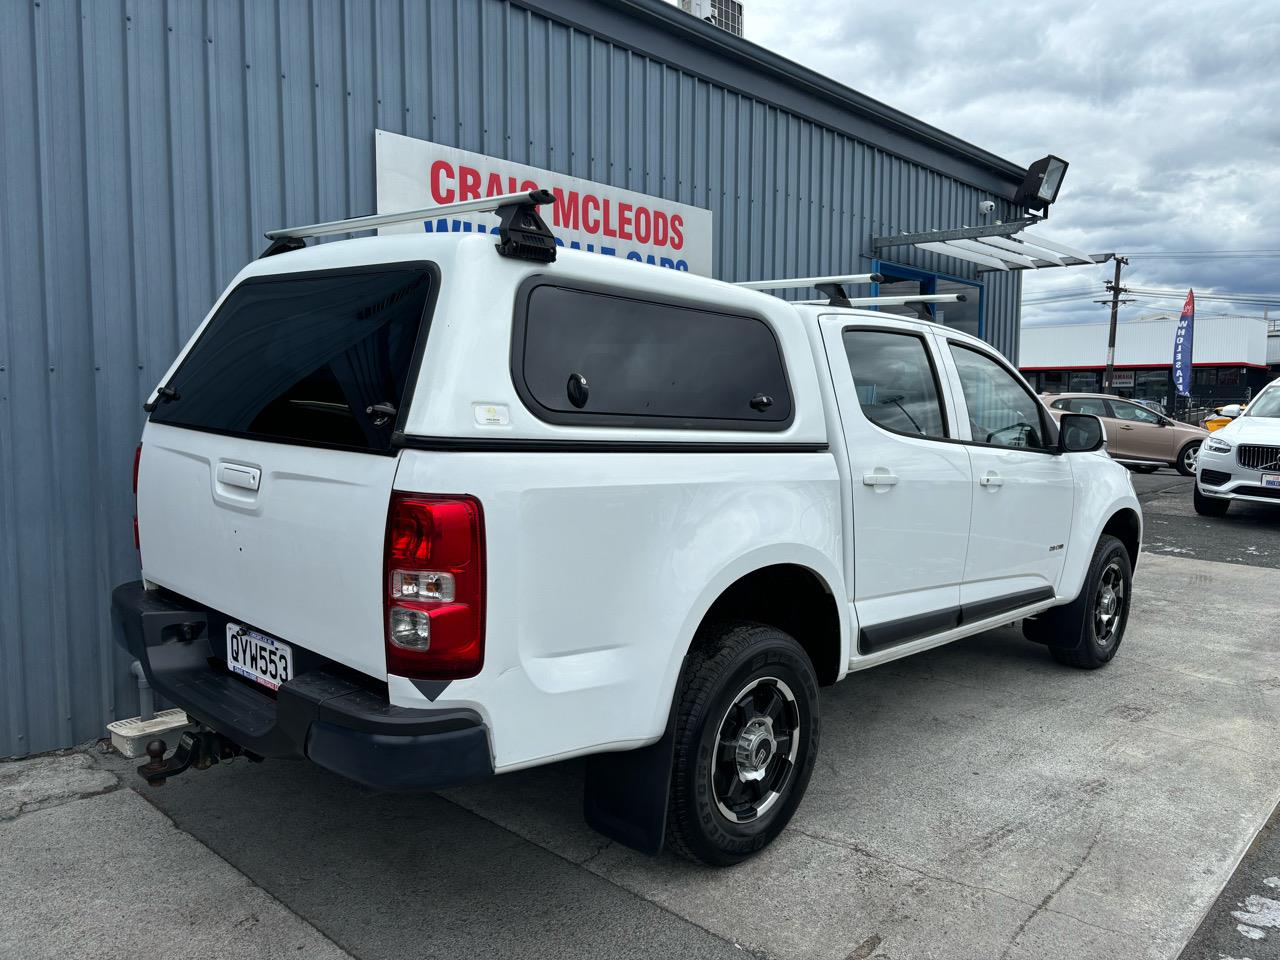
196,748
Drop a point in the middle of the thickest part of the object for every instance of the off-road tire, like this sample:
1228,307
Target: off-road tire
1070,631
1208,506
727,658
1181,463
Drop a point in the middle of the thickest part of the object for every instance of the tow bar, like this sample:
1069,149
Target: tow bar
196,748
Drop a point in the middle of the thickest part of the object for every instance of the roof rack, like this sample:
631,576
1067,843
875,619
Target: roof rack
895,301
522,233
830,287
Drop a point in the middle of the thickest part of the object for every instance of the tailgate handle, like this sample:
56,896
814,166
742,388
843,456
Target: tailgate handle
235,475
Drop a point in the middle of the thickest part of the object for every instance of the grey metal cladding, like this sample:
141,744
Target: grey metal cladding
146,146
660,30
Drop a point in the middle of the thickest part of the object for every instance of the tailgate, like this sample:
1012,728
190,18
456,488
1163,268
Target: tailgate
267,464
300,557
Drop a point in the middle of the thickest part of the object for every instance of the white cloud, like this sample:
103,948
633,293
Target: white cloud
1169,113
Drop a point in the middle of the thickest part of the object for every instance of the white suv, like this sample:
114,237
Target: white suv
1241,461
423,512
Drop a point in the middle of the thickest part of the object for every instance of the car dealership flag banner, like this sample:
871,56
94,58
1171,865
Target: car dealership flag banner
1182,346
412,174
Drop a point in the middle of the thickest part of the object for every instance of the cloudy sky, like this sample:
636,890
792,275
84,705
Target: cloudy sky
1169,113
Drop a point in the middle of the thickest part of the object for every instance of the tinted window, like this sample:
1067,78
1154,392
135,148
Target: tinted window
1088,405
303,358
895,382
1000,409
590,357
1132,411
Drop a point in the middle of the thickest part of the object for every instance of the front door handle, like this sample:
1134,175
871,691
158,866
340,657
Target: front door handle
1126,426
879,479
991,479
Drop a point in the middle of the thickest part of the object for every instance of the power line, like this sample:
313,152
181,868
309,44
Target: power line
1261,253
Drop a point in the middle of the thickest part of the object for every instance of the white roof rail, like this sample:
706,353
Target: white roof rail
796,283
522,232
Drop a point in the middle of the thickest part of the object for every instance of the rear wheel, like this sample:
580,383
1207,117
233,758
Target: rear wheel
1208,506
1086,632
1143,468
1187,458
746,738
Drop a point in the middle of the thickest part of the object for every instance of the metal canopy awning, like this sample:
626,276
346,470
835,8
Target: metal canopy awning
998,246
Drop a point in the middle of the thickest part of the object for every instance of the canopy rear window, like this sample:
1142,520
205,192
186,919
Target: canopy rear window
314,358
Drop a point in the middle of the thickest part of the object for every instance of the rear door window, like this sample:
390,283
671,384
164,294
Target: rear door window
1132,411
584,355
315,358
896,383
1089,405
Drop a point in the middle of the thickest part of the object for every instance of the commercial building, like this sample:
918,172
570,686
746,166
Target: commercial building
1232,357
145,148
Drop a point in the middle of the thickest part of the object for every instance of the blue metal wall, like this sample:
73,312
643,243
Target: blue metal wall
145,146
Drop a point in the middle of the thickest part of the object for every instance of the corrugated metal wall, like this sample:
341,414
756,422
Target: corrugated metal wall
145,146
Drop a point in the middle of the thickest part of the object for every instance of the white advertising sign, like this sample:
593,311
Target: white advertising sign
590,216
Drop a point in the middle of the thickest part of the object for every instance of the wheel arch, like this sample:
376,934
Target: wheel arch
1126,527
796,600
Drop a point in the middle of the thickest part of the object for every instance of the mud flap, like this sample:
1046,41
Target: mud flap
626,793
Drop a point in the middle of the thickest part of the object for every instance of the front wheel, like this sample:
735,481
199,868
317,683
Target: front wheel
1086,632
746,738
1208,506
1187,459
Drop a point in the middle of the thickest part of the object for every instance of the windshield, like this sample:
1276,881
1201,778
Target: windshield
321,358
1267,405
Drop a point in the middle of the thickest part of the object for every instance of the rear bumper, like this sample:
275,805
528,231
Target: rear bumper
318,715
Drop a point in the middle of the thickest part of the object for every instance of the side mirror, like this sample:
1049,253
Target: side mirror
1080,433
1232,410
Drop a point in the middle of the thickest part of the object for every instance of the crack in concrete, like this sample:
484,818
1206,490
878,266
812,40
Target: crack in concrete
1041,907
49,803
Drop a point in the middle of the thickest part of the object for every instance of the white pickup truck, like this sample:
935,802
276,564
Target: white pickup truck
423,511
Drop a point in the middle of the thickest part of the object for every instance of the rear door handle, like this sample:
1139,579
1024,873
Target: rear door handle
885,479
991,479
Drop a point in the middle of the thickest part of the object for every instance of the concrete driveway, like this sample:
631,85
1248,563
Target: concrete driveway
979,801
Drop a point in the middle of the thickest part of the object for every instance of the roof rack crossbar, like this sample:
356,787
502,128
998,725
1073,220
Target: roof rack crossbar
796,283
830,287
522,232
895,301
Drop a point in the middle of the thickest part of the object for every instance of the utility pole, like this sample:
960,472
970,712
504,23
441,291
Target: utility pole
1109,374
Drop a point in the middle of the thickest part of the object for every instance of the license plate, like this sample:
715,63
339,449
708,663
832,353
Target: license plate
1271,480
262,659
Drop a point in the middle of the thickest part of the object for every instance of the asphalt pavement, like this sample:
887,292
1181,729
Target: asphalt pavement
1249,533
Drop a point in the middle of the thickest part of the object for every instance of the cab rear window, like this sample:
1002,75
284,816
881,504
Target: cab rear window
315,358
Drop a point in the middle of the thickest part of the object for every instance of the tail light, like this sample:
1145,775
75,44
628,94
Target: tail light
137,460
434,582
